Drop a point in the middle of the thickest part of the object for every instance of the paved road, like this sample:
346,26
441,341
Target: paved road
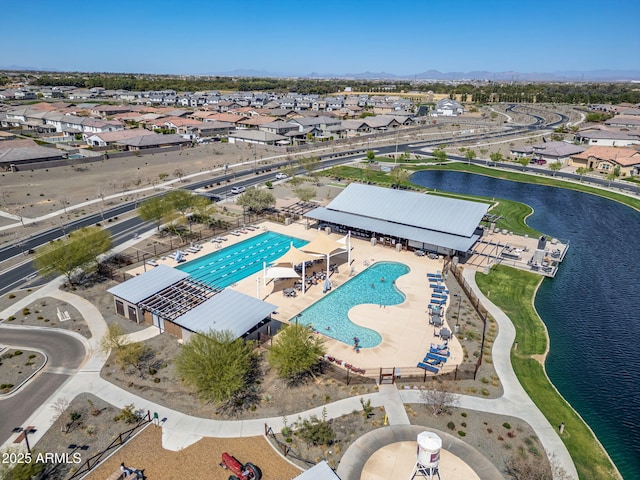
65,352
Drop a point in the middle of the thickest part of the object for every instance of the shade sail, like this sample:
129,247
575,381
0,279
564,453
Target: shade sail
295,256
281,272
323,245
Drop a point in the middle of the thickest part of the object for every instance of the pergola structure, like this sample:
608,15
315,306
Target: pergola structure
179,298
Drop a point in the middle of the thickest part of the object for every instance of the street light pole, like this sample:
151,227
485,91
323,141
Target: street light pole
25,432
458,314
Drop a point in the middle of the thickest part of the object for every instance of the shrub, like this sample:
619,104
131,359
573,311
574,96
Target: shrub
127,415
18,352
26,311
12,295
506,425
33,355
451,426
462,433
464,414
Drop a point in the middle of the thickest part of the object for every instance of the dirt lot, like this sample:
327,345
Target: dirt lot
199,461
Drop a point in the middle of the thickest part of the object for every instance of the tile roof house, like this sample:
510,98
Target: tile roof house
606,159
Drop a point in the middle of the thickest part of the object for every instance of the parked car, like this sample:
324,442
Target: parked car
541,161
236,190
281,176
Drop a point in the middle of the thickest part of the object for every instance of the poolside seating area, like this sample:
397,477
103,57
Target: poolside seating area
435,358
440,293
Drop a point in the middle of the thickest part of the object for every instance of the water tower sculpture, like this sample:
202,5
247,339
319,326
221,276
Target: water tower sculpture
428,457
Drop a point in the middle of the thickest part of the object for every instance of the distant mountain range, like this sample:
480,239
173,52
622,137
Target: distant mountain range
561,76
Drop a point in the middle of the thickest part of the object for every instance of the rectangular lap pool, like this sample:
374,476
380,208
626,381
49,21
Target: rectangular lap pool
235,262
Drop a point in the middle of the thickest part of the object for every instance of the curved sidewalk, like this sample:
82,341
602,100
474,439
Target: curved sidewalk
181,430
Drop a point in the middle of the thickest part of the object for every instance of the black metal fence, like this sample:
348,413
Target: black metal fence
120,440
284,448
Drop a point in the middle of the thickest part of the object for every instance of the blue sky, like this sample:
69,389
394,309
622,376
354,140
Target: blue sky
328,36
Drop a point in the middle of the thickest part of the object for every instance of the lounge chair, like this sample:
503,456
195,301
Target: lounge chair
439,351
433,356
235,233
428,368
431,361
153,263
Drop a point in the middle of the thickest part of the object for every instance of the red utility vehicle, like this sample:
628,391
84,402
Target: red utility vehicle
248,471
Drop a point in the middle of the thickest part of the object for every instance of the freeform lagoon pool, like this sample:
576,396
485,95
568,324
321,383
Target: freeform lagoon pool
235,262
375,285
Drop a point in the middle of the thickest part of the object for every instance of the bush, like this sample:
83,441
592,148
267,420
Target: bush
451,426
462,433
506,425
26,311
127,415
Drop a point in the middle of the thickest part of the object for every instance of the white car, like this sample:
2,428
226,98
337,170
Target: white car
281,176
236,190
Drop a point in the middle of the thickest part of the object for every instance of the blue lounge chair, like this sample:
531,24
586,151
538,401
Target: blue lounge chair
439,352
436,357
428,368
431,361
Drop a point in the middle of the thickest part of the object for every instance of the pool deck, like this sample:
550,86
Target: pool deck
405,330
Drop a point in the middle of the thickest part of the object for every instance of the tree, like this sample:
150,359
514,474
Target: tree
216,364
495,157
154,210
113,339
371,155
296,352
555,167
440,155
202,208
310,164
305,194
77,252
582,171
180,200
438,399
469,155
399,176
256,199
524,161
520,467
613,175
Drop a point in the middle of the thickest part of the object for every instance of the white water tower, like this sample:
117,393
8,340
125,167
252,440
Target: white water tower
428,458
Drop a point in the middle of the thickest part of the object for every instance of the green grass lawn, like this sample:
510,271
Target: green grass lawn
513,291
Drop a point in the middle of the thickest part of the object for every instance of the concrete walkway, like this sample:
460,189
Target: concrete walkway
181,430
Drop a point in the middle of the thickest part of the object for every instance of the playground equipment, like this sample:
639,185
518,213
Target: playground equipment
248,471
